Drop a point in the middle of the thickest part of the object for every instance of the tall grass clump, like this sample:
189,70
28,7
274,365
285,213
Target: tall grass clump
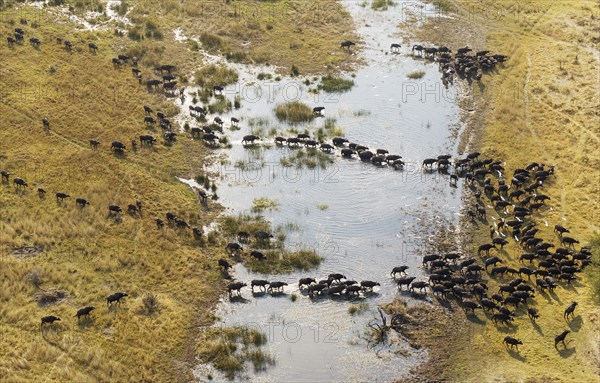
416,74
294,112
334,84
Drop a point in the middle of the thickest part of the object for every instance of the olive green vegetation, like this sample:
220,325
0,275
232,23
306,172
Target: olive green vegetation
84,254
279,259
284,261
416,74
211,75
310,158
220,105
333,84
232,225
381,5
294,112
229,349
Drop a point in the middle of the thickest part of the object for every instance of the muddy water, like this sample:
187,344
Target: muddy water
363,220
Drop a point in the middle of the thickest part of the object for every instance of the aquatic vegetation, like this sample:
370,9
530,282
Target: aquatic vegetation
221,105
264,203
358,308
231,225
310,158
334,84
229,349
285,261
211,75
381,5
294,112
416,74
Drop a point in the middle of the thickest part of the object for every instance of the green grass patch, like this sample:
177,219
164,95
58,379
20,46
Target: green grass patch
231,225
220,105
310,158
332,84
283,261
294,112
212,74
230,349
381,5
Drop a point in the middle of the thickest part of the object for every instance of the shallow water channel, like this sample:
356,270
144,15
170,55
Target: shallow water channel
362,219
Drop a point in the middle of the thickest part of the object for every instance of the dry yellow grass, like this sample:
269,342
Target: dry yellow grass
542,106
86,254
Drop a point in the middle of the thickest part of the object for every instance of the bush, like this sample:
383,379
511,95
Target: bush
222,105
135,33
295,71
35,278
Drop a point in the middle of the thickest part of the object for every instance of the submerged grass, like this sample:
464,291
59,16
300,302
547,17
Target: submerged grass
333,84
359,308
283,261
263,203
310,158
229,349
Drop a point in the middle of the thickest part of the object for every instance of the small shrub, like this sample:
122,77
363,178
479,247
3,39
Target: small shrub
35,278
150,304
295,71
52,296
